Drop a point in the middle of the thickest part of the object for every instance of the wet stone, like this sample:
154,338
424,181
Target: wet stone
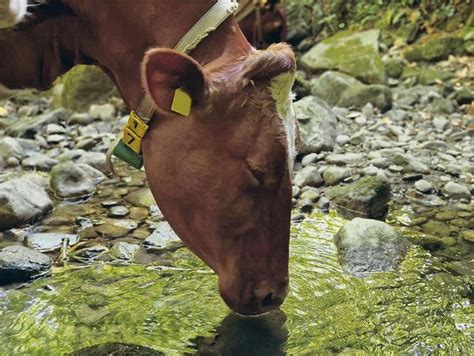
118,211
137,213
89,254
116,228
21,264
456,191
141,198
123,251
48,242
424,186
367,246
71,182
163,238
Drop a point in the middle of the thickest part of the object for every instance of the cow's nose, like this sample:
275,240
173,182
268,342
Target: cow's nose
268,295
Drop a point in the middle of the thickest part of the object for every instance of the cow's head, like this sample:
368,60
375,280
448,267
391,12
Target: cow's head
222,176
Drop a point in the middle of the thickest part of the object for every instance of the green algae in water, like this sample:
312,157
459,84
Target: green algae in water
419,310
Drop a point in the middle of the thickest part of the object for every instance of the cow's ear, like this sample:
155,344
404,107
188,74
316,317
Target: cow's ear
269,63
164,71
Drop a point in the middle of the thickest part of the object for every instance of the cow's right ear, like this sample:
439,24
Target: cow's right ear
166,70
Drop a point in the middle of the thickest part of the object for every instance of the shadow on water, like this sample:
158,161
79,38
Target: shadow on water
238,335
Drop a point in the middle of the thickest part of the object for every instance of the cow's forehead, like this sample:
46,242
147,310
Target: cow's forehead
281,92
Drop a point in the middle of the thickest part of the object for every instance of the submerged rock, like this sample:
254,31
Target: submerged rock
21,264
116,349
123,250
47,242
352,53
366,198
317,124
367,246
22,201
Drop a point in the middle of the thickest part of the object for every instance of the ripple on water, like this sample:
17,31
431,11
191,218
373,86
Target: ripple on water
177,310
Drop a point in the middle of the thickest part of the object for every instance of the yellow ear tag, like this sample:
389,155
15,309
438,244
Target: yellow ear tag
182,102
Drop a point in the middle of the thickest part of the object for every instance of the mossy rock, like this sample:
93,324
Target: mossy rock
436,48
366,198
82,86
394,68
426,76
355,54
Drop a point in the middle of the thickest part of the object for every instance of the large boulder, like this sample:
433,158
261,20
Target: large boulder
353,53
317,123
20,264
339,89
82,86
22,201
367,246
367,198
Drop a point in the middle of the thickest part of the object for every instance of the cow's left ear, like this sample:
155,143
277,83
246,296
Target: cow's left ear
164,71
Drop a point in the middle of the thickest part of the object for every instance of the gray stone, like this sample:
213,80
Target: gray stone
98,160
47,242
366,198
80,119
352,53
39,162
123,250
333,175
341,140
102,112
68,181
21,264
410,164
317,124
31,126
309,175
457,191
163,238
9,147
118,211
141,198
345,158
368,246
424,186
52,129
309,159
22,201
339,89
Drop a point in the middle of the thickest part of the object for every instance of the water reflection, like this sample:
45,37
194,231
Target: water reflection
239,335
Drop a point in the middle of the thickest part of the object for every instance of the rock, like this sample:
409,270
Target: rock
366,198
39,162
410,164
102,112
456,191
317,124
346,158
339,89
141,198
21,264
113,228
137,213
80,119
394,68
468,235
12,162
118,211
9,147
114,348
309,175
353,53
82,86
96,175
442,106
22,201
341,140
98,160
334,175
70,182
368,246
52,129
28,127
437,47
464,96
163,238
48,242
123,250
424,186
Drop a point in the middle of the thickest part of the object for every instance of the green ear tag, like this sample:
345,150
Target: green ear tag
182,102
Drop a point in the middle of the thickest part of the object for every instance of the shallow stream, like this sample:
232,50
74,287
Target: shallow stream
177,309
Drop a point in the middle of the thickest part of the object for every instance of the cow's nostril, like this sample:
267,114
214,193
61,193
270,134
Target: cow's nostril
268,300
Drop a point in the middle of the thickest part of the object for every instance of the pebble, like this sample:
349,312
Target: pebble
118,211
457,191
424,186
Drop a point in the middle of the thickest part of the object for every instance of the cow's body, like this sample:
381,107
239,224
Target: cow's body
221,175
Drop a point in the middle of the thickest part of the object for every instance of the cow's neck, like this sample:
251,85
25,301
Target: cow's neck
225,44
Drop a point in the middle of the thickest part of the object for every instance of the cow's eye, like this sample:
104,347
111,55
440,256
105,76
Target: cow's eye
257,177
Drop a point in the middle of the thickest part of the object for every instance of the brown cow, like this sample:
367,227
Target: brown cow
222,175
